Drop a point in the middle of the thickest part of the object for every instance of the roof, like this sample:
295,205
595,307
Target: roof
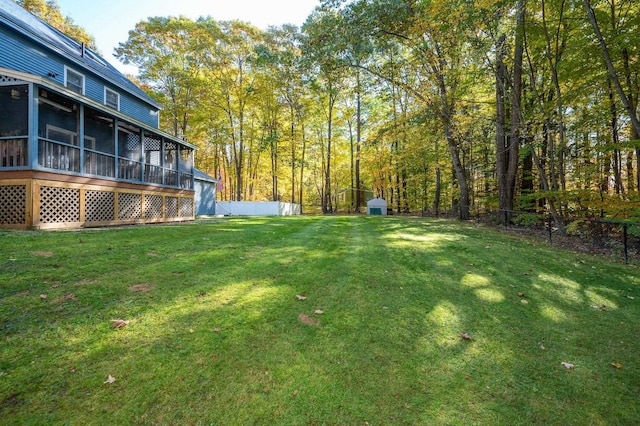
42,33
377,202
200,175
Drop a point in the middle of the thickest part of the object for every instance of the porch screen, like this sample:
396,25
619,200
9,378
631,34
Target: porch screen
58,122
14,110
99,143
14,125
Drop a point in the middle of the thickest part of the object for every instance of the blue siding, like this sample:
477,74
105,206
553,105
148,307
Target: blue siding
20,54
133,109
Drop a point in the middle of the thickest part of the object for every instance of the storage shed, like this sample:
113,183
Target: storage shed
205,193
377,207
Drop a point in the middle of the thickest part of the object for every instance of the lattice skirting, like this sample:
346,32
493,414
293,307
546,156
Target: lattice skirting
39,204
13,205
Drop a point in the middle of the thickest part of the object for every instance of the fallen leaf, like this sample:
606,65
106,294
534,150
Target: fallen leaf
318,312
110,379
616,365
542,348
43,296
216,329
567,365
524,302
630,297
118,323
521,294
465,336
301,297
467,377
191,330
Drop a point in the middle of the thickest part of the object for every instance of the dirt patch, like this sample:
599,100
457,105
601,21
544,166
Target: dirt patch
142,287
11,401
84,282
152,254
23,293
69,296
306,319
42,253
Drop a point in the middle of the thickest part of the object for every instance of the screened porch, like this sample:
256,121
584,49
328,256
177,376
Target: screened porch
76,138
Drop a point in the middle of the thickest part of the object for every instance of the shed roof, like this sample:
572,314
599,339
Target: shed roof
42,33
200,175
377,202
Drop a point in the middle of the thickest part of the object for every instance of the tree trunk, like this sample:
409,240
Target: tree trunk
438,194
358,143
615,139
293,154
326,204
516,121
461,178
302,155
612,72
501,139
545,185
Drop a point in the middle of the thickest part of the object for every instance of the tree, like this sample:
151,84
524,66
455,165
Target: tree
629,101
164,50
49,11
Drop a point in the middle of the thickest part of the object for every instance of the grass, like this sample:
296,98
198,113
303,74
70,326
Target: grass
216,334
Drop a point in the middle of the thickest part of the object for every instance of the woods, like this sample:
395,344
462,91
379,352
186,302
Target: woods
438,106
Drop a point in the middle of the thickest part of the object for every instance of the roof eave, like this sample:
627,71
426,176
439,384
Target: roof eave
45,82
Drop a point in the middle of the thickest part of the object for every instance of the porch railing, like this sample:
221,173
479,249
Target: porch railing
13,152
55,155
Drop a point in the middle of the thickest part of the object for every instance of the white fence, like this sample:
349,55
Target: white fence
258,208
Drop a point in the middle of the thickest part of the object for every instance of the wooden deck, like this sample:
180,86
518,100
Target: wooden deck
44,200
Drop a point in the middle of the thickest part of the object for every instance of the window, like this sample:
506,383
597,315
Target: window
62,135
111,99
74,81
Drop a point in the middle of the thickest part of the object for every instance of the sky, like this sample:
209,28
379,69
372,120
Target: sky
109,21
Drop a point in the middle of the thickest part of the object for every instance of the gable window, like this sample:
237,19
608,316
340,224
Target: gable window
74,80
112,99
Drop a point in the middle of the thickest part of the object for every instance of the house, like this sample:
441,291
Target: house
80,143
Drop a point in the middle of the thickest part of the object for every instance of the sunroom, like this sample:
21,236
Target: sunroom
68,161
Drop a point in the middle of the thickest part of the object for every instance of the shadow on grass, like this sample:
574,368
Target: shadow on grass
219,338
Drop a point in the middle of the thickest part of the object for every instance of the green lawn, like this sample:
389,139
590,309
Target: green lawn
218,335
